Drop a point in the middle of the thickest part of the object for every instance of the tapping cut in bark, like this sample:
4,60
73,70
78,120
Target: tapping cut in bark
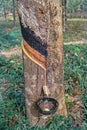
41,26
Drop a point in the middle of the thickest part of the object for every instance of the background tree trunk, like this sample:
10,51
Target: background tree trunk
64,3
41,22
4,10
14,12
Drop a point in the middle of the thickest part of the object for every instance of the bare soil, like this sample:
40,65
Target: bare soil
12,52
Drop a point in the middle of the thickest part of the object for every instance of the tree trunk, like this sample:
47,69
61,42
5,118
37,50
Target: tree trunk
41,26
64,3
14,15
4,10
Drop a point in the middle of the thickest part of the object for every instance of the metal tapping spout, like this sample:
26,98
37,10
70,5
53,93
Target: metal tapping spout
46,90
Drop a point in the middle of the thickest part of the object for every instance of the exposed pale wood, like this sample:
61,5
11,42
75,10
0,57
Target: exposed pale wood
45,19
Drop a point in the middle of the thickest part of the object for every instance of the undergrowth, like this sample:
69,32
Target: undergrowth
9,35
76,74
12,102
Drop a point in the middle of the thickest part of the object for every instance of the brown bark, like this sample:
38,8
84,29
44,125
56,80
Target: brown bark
64,4
44,17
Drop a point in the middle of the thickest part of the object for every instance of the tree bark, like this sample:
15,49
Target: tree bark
64,3
14,15
41,25
4,10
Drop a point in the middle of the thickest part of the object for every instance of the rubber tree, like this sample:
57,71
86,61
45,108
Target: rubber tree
14,12
41,26
64,4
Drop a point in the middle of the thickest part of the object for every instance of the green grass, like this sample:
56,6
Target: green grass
9,35
12,104
76,73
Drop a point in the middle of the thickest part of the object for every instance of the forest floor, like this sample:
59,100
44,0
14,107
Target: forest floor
76,110
11,74
73,92
11,52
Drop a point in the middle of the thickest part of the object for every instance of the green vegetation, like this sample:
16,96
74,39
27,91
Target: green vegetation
12,103
74,5
9,35
8,10
75,30
76,72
